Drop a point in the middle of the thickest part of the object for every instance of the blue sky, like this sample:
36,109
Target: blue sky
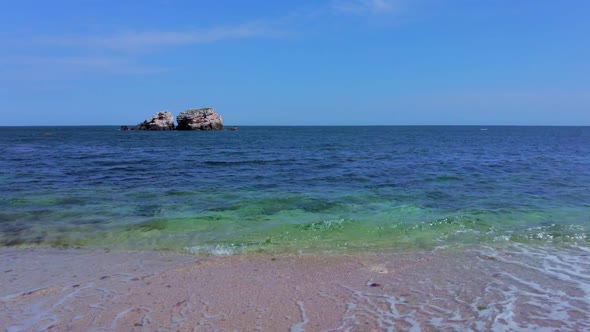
340,62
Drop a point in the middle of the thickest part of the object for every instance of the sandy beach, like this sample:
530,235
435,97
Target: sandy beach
95,290
297,166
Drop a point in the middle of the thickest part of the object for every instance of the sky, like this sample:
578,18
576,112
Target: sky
322,62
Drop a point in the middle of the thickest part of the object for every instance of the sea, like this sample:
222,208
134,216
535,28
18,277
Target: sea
334,189
386,228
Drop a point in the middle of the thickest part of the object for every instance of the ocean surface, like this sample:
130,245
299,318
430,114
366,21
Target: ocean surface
295,189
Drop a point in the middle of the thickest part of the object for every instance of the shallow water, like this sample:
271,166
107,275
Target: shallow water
289,189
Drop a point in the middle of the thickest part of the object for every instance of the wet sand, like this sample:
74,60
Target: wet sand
516,288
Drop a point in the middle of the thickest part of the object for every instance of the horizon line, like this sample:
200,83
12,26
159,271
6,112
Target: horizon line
322,125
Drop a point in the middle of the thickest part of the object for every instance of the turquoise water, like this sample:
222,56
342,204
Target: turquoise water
285,189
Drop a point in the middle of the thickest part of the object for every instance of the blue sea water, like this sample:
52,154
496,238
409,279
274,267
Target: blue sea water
285,189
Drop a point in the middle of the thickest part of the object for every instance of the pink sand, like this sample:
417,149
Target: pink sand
84,290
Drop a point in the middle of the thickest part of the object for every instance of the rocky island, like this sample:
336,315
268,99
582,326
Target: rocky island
192,119
159,121
199,119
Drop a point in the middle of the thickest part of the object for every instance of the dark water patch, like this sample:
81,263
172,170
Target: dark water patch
13,234
449,178
150,225
93,221
180,193
14,228
148,210
47,201
13,217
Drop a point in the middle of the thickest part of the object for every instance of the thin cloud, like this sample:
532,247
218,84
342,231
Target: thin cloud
364,7
123,51
76,64
123,41
136,40
119,53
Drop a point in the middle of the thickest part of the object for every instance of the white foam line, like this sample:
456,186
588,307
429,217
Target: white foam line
38,315
119,316
96,306
571,272
386,319
14,296
122,314
299,326
206,317
415,326
568,267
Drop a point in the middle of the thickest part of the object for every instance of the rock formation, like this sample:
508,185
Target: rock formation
199,119
159,121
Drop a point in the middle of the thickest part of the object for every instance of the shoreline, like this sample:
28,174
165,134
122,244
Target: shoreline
479,289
